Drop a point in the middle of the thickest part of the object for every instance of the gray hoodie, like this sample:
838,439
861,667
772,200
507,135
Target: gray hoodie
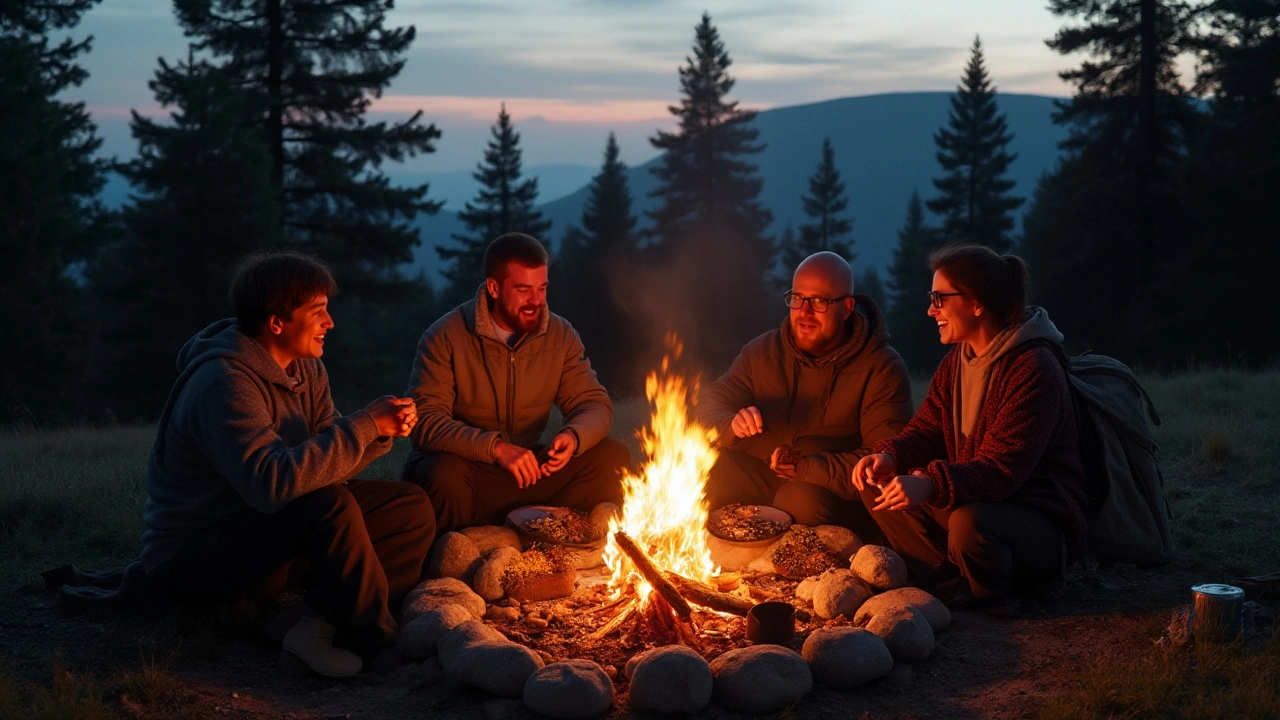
238,432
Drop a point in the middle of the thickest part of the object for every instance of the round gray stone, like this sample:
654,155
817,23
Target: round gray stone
434,594
880,567
846,657
934,611
418,637
570,689
838,592
489,537
906,633
488,579
462,636
842,541
671,680
501,668
804,591
760,679
453,555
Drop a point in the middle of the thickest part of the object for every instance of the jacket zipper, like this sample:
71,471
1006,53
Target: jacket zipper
511,395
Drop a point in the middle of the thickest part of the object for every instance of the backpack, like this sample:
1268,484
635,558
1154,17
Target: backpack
1127,511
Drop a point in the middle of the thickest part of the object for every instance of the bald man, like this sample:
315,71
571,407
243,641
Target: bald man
803,403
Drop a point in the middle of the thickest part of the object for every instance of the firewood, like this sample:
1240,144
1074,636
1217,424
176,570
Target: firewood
700,594
614,623
651,573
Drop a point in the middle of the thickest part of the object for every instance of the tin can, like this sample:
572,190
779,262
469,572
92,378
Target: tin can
1216,612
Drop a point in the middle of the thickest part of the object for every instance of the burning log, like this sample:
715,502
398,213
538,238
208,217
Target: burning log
660,584
699,594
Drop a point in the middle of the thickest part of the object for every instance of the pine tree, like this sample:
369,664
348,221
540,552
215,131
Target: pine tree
314,67
1095,223
167,277
1232,181
914,333
712,251
868,283
596,267
824,204
973,151
49,217
504,203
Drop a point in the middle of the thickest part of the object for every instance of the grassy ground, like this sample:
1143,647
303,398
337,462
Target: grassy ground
76,495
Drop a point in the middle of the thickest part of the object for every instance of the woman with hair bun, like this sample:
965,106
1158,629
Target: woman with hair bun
982,492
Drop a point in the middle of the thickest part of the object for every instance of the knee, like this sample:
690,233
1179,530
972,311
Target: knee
968,528
806,503
443,474
332,504
614,454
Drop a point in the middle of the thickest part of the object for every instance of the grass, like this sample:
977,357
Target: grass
76,495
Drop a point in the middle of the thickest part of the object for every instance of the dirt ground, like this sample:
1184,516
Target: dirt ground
983,667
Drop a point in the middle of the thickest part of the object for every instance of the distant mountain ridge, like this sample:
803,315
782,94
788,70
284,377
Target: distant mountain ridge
884,149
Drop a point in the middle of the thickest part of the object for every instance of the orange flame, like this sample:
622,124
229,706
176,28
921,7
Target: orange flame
665,507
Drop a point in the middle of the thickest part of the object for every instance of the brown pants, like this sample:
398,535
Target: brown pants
993,545
465,493
741,478
360,547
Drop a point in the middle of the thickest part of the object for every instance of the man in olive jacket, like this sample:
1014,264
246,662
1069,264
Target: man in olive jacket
485,378
803,403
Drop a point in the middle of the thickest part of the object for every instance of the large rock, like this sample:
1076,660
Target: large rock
804,591
760,679
488,537
570,689
731,556
671,680
846,657
434,594
906,633
488,580
453,555
880,567
585,558
838,592
934,611
418,638
501,668
463,636
842,541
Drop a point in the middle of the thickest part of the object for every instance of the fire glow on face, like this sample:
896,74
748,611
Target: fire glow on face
665,506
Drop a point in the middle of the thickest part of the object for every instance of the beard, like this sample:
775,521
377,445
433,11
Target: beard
519,321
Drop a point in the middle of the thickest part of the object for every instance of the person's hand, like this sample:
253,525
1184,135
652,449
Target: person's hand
783,462
562,447
905,491
518,461
394,416
747,422
874,469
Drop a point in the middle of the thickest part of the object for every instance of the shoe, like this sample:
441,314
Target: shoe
311,640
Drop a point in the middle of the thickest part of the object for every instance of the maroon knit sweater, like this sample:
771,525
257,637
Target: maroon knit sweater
1022,449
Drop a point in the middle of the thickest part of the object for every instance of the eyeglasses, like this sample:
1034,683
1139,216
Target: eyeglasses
795,301
936,297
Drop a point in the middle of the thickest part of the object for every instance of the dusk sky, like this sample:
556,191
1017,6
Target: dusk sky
571,70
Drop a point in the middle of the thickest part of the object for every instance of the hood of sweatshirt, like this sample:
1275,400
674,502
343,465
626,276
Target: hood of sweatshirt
1035,325
221,340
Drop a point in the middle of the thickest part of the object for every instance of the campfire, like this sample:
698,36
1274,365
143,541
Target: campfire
657,551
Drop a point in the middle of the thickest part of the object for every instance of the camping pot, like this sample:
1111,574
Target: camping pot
1216,611
771,622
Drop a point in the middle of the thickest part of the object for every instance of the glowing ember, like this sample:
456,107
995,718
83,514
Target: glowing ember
665,507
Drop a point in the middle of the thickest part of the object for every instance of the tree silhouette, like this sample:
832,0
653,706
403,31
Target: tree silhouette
49,216
712,251
824,204
973,151
504,203
913,332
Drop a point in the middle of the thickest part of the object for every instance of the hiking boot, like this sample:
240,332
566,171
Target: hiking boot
311,640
